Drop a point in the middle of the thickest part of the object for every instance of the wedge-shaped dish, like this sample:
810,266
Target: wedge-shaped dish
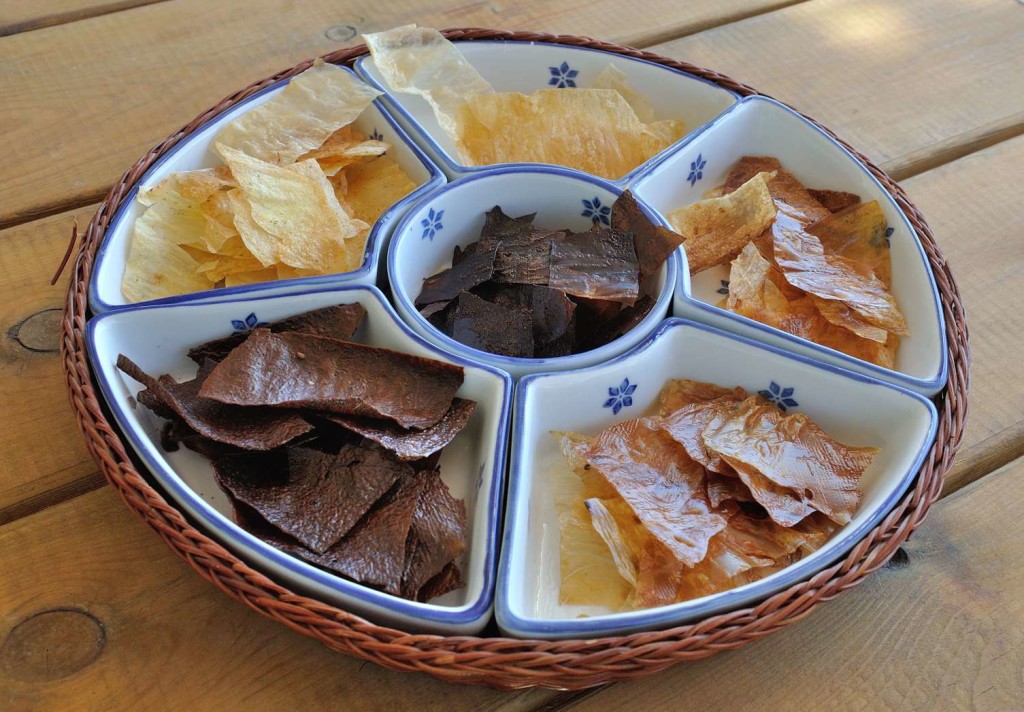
851,408
197,151
762,127
425,239
472,465
529,66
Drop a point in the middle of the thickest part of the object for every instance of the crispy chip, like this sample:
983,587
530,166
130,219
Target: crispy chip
716,229
343,148
313,106
607,138
374,186
196,186
291,215
157,266
615,79
419,60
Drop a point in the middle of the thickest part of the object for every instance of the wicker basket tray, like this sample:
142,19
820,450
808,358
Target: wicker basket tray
503,662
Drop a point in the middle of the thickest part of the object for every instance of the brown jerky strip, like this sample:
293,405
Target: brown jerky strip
526,258
499,225
317,497
410,444
554,322
247,428
373,553
653,243
476,266
596,266
626,320
490,327
834,200
438,534
337,322
304,371
448,580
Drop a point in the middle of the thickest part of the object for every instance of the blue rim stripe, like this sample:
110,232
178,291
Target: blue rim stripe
371,256
613,624
929,385
451,165
229,532
476,355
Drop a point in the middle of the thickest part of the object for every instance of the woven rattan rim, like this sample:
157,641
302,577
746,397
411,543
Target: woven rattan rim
502,662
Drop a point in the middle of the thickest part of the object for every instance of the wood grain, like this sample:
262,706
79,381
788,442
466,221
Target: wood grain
41,450
943,630
88,98
907,83
24,15
973,205
171,641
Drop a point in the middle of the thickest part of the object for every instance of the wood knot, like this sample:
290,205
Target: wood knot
900,559
341,33
52,644
39,332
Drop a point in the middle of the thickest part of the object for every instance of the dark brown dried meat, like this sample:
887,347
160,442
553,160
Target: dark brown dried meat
437,537
526,258
653,243
315,497
250,428
490,327
448,580
834,200
304,371
475,266
596,266
337,322
410,444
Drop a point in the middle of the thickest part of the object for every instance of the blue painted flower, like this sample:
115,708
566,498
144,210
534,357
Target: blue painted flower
432,224
248,324
696,170
597,212
779,396
724,289
376,135
562,76
620,397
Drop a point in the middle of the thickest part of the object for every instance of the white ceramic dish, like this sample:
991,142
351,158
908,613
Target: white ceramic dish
473,465
852,408
196,151
763,127
529,66
424,240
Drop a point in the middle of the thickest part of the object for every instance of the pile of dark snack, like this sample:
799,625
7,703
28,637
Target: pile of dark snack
531,292
329,449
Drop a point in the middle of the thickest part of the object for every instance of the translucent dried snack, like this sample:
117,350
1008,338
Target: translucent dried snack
791,451
834,200
611,77
592,130
343,148
301,117
858,233
419,60
805,264
374,186
680,392
793,198
718,228
196,186
747,278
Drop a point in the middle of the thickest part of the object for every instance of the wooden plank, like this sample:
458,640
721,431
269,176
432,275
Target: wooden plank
910,84
41,450
973,207
24,15
101,610
85,100
944,629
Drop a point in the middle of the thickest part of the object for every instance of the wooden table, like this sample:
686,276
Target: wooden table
96,613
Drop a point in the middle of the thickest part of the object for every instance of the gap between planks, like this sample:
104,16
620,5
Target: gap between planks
639,41
63,18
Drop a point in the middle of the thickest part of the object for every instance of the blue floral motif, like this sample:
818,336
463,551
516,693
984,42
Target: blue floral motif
780,396
620,397
376,135
724,289
596,211
562,76
248,324
431,224
696,170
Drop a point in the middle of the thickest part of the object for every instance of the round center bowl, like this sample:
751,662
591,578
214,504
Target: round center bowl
453,216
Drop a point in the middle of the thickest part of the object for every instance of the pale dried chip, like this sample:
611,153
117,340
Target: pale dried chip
343,148
267,274
858,233
196,186
680,392
419,60
290,214
747,276
592,130
220,220
301,117
718,228
157,266
611,77
374,186
788,192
